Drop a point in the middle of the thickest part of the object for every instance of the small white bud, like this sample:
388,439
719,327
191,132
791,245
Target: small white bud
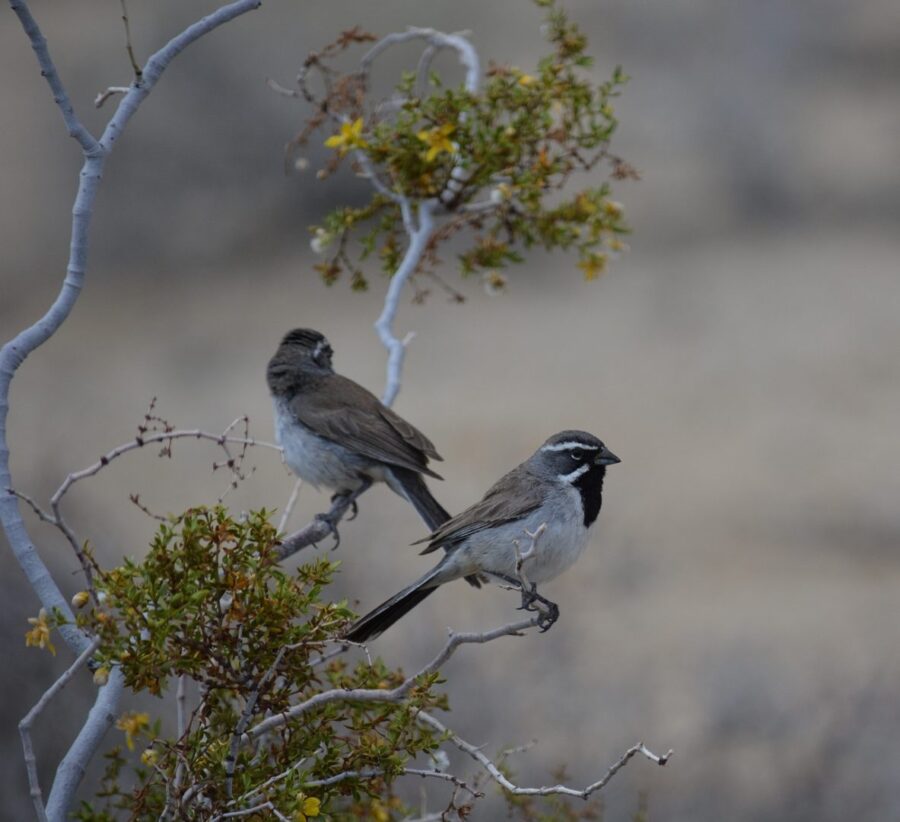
494,283
320,242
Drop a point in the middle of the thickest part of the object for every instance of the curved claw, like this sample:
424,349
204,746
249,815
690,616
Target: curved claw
354,510
332,528
548,617
548,611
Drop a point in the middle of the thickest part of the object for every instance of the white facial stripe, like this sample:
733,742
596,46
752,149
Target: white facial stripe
570,478
569,446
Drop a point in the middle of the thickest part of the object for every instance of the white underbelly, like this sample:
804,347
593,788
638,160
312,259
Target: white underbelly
558,547
319,461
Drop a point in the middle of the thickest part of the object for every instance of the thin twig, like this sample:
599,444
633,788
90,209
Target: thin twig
34,713
377,695
263,806
76,129
292,501
111,91
244,721
314,532
269,782
181,724
39,512
180,705
500,778
145,438
149,439
134,63
343,776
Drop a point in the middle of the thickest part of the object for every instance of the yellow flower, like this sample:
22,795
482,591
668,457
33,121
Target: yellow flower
310,809
39,635
615,245
149,757
378,811
526,80
101,676
585,205
593,265
350,136
613,208
132,723
80,599
438,139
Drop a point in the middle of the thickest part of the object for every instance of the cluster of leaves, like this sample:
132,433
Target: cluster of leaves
210,602
496,160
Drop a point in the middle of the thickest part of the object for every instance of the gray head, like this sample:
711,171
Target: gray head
579,459
572,453
302,353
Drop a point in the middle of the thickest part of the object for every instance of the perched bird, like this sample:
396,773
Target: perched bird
338,435
536,520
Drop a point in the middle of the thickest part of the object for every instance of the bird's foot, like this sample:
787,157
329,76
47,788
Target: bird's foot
548,612
331,521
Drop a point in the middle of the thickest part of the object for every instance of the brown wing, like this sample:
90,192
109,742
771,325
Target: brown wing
510,498
410,433
344,412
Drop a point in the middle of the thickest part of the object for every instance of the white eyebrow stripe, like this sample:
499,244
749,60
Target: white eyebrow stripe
570,478
568,446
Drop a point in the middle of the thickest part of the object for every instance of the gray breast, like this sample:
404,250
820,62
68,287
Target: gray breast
562,542
315,459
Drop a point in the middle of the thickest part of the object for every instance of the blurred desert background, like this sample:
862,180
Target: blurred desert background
740,600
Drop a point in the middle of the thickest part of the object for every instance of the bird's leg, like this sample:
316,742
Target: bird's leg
340,498
533,601
548,611
340,502
364,485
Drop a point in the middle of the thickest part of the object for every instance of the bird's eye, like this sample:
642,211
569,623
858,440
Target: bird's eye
577,454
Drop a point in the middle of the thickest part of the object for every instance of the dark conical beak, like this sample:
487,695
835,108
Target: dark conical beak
606,457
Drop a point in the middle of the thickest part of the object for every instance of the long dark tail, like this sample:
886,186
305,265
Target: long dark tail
416,491
377,621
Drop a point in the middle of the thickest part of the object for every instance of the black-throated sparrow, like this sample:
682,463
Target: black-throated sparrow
552,498
337,434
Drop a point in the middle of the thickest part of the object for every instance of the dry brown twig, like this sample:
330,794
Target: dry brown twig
146,436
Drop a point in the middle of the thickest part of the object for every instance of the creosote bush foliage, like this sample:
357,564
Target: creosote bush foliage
210,602
497,160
